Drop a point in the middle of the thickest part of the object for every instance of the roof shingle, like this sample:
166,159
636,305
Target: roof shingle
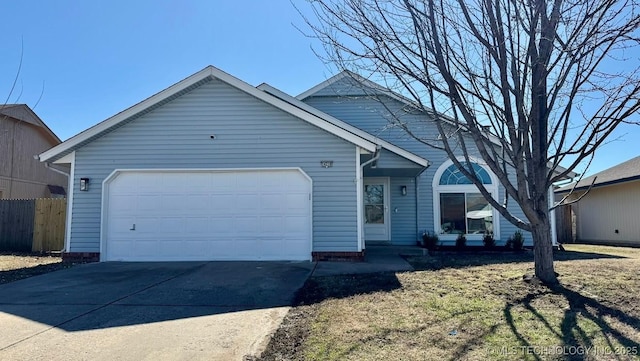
623,172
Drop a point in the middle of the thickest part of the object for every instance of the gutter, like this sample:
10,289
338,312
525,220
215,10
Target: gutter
50,167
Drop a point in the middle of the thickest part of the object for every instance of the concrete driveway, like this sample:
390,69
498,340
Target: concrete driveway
147,311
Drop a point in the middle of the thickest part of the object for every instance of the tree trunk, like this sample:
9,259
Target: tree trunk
543,251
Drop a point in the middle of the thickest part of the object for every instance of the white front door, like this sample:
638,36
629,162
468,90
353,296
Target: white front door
376,209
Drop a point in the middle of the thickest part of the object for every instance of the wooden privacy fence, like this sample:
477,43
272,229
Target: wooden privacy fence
32,225
564,224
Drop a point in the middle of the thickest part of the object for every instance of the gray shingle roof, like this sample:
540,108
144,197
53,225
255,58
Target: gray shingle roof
623,172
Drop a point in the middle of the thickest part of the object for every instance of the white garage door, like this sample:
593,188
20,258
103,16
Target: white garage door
208,215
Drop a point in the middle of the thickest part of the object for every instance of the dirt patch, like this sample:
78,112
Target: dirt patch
16,266
288,341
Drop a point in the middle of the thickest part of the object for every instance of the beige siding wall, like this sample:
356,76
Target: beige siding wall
607,209
19,143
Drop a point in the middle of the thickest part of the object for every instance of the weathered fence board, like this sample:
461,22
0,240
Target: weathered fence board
16,225
48,225
564,224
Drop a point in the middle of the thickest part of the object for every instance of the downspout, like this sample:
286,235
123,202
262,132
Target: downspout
416,179
376,155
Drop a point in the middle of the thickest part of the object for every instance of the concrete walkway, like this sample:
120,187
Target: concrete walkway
377,259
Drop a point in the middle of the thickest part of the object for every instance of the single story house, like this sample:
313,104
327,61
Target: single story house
213,168
609,212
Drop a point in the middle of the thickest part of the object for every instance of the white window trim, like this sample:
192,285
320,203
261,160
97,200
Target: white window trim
463,188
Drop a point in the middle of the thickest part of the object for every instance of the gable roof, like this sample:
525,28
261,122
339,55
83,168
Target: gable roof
366,83
623,172
362,81
378,89
348,127
357,137
23,113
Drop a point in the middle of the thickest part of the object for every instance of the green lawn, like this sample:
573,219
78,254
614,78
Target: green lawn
471,307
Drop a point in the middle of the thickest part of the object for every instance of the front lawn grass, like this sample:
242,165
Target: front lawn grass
471,307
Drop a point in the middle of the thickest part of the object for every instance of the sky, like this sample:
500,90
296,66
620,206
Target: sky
84,61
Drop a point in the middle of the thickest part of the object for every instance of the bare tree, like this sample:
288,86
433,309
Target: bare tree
530,83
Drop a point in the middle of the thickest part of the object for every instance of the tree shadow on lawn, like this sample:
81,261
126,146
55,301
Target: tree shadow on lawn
318,289
446,259
572,334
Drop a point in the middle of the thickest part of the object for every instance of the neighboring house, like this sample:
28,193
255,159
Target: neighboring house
23,135
213,168
610,211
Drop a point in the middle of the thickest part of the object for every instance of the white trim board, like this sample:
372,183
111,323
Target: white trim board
72,173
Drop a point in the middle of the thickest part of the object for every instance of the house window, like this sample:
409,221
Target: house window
467,213
453,175
459,207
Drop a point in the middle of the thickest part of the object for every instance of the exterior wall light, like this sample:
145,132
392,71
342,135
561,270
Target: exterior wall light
403,190
84,184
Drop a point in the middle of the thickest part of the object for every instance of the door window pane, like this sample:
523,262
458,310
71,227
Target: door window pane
374,204
374,194
452,212
374,214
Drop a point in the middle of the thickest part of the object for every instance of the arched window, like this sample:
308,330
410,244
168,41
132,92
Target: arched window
453,175
459,207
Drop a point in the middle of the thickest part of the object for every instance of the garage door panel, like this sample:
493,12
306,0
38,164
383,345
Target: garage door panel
270,202
246,202
247,226
198,202
219,204
248,184
209,215
149,203
170,247
170,226
145,248
220,226
222,183
298,202
272,226
196,225
120,247
120,202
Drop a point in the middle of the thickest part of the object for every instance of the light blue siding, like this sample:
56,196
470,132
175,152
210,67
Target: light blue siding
403,211
248,134
343,101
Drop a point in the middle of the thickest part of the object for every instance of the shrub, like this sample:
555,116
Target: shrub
461,241
518,241
488,240
430,240
515,242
